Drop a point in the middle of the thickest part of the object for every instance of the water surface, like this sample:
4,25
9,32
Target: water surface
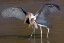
12,30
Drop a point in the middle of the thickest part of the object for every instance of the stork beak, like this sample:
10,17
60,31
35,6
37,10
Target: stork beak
30,24
25,19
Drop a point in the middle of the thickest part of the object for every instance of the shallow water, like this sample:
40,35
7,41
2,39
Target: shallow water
12,30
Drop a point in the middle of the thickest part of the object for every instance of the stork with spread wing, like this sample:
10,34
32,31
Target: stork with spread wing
39,18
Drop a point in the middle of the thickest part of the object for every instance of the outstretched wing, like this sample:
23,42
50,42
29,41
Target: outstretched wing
47,9
42,21
17,12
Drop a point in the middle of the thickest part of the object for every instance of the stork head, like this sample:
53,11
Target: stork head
31,20
28,14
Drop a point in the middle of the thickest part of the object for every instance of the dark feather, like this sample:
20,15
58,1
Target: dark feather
23,10
53,5
27,21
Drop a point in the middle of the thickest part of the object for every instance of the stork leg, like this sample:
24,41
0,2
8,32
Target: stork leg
47,32
41,33
33,32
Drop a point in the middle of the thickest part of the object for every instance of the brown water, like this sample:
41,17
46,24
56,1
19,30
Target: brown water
12,30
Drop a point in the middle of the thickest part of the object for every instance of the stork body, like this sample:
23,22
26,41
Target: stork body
35,23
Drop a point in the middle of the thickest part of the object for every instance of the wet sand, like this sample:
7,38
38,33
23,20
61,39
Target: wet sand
12,30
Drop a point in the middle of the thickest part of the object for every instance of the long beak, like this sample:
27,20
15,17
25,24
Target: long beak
29,26
25,19
30,23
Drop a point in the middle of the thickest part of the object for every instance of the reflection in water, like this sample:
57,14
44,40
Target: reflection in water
48,41
35,40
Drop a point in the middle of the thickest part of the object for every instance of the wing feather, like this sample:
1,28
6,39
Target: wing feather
44,11
17,12
47,9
